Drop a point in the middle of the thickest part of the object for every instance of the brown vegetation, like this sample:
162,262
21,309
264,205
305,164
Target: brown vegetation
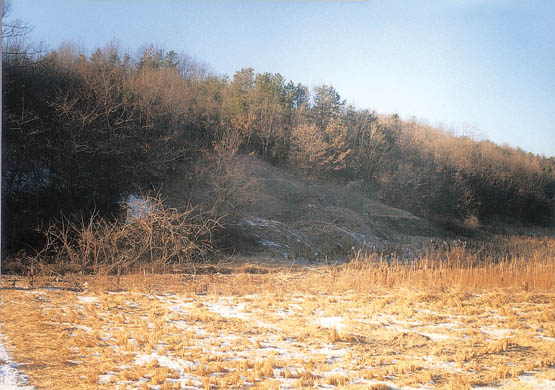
82,132
151,237
369,324
104,293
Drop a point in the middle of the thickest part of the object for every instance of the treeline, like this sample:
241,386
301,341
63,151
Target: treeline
81,132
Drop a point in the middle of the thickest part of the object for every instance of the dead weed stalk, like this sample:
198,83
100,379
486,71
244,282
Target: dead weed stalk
158,238
457,267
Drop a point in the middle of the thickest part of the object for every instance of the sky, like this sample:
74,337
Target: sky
484,68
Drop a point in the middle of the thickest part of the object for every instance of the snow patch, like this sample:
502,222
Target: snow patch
331,322
85,299
276,226
137,207
538,384
227,309
272,244
358,237
172,363
442,365
496,332
10,377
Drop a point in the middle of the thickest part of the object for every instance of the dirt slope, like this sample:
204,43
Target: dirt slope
295,219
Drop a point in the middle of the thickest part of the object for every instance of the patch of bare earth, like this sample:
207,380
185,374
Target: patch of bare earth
292,218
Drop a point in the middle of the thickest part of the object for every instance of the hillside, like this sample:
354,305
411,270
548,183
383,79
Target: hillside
281,216
95,129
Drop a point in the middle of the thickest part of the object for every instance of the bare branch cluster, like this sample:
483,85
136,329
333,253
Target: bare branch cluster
156,240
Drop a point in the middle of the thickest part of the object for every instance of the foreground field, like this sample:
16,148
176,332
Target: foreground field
366,325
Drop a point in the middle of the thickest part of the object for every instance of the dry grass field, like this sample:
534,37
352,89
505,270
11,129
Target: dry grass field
444,322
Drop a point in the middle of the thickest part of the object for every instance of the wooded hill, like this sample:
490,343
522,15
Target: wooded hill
82,132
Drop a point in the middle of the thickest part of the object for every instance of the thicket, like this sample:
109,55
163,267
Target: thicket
81,132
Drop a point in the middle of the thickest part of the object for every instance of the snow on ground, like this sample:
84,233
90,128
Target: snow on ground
10,377
227,309
537,384
384,339
495,332
85,299
331,322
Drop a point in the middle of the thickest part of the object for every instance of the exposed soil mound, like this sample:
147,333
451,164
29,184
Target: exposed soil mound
294,218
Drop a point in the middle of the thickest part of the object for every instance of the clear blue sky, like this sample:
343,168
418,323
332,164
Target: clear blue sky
487,65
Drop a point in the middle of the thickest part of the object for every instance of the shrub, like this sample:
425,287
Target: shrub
158,238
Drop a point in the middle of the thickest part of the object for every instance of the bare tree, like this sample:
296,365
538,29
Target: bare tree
16,49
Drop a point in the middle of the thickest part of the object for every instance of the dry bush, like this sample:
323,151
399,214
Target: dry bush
229,187
156,237
220,184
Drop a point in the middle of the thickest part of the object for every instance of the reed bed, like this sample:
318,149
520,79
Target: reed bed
454,269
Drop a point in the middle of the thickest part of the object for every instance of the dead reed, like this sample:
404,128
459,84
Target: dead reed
456,267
